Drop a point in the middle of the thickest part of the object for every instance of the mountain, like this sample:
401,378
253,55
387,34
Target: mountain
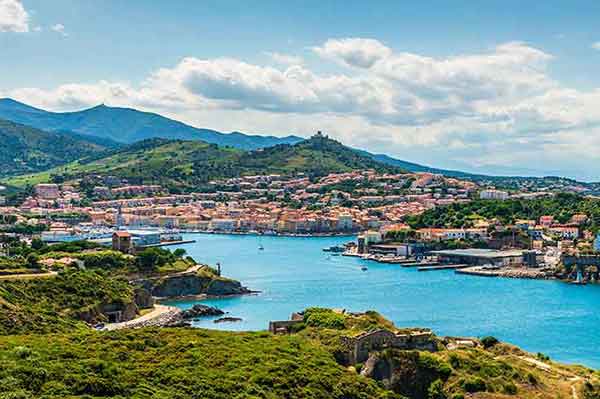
126,125
25,149
186,165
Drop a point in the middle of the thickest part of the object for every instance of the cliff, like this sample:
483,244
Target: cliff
198,282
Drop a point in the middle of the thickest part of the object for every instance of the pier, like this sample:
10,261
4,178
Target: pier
441,267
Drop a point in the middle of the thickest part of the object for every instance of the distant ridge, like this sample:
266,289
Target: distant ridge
127,125
25,149
114,126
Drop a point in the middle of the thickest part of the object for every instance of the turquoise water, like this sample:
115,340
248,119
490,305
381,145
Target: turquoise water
551,317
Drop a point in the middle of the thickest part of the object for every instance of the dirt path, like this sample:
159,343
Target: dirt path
574,379
28,276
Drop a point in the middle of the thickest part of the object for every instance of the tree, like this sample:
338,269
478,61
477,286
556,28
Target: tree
148,259
179,252
33,261
37,244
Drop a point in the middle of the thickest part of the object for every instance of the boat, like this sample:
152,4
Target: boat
335,248
261,248
364,268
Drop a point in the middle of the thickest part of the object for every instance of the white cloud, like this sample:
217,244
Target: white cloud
356,52
495,107
59,28
285,59
596,46
13,16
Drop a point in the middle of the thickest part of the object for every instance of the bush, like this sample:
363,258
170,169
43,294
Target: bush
489,341
542,357
509,388
431,363
324,318
473,384
436,390
532,379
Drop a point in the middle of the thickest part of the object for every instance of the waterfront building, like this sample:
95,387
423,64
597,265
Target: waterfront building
481,257
223,224
122,241
141,238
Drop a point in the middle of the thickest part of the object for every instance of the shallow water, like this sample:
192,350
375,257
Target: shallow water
293,273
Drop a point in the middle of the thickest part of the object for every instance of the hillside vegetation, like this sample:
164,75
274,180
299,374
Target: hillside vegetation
25,149
187,165
197,363
176,363
58,303
561,206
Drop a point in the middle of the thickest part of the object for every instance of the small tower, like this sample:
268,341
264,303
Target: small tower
119,221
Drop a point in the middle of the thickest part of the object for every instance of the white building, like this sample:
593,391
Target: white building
493,195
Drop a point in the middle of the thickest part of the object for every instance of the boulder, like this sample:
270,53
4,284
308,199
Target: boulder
227,319
199,310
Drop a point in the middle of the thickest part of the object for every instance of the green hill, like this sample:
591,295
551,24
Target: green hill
25,149
186,165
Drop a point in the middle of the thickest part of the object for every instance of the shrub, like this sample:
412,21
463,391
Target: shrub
436,390
542,357
431,363
473,384
509,388
324,318
532,379
489,341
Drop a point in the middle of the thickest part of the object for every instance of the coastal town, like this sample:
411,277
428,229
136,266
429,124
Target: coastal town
376,207
272,204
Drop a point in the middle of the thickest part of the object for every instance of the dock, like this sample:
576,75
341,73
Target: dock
167,243
441,267
419,264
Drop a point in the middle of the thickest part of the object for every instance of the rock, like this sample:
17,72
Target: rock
404,372
227,319
226,287
190,285
200,310
179,323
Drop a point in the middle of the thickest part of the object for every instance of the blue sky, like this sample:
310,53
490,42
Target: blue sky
497,87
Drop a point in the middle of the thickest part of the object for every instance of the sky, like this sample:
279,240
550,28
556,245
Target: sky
499,87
